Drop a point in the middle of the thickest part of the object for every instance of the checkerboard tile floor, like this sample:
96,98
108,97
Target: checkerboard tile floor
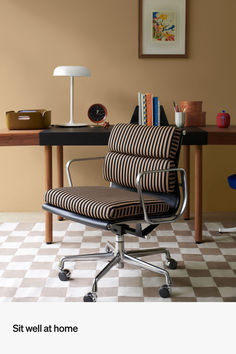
29,267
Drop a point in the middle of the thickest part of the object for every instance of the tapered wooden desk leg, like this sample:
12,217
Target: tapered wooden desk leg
187,170
60,170
48,185
198,193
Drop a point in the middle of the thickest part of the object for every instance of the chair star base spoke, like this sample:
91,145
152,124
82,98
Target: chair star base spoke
84,257
228,229
117,256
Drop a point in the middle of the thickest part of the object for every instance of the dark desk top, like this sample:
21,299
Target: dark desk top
90,135
97,135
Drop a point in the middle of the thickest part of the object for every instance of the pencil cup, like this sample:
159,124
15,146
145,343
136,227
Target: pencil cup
179,119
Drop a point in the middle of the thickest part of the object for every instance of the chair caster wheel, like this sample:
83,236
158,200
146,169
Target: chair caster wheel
171,264
165,291
108,249
90,297
64,274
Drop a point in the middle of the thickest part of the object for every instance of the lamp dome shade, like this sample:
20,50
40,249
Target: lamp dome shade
71,71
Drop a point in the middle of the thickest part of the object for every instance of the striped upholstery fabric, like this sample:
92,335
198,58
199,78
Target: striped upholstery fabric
122,169
103,202
137,148
147,141
133,149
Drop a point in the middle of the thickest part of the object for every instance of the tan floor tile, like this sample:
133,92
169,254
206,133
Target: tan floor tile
206,292
178,282
213,251
41,265
55,292
47,251
106,292
183,299
130,299
7,251
129,281
199,273
7,292
229,299
193,257
25,299
33,282
229,282
14,273
218,265
23,258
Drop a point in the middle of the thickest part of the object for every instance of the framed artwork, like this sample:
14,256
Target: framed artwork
162,28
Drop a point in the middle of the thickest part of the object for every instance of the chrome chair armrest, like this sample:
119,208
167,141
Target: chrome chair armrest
182,206
68,164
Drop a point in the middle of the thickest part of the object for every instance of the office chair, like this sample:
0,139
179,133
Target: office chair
232,184
142,168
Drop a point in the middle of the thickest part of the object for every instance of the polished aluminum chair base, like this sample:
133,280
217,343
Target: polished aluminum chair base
229,229
117,255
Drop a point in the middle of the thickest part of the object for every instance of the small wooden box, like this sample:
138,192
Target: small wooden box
28,119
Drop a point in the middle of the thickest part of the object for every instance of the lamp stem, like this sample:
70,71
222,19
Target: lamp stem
71,100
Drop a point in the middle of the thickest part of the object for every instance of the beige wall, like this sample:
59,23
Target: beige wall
36,36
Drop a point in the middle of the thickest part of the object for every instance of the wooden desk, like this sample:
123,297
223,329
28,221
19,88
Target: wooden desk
215,136
60,137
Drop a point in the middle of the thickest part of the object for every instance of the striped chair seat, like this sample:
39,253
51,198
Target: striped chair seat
104,203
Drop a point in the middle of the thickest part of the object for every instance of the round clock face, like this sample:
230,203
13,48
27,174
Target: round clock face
97,113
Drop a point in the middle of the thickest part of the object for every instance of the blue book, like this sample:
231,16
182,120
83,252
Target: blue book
155,111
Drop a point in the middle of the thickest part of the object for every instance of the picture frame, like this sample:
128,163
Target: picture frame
163,28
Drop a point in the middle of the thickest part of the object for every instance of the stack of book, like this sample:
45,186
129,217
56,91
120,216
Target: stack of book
149,109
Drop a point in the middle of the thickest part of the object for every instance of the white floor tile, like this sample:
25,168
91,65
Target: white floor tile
202,282
227,291
37,273
28,292
51,299
8,226
76,227
224,273
229,251
18,265
47,258
195,265
130,291
26,251
180,226
10,282
40,226
77,292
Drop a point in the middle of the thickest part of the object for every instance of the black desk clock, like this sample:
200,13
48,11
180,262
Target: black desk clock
97,113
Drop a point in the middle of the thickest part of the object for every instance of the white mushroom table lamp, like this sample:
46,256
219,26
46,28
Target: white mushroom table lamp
71,71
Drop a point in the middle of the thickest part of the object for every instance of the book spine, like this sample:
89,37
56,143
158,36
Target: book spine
149,108
155,111
144,116
139,108
158,114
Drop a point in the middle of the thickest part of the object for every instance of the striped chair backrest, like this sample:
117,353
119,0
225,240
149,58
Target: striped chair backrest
136,148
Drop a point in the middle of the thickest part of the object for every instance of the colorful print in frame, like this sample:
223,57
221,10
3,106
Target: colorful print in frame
163,28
